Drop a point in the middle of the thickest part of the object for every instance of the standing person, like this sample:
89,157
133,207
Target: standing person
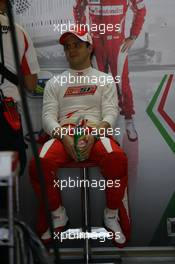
13,140
28,59
62,105
111,47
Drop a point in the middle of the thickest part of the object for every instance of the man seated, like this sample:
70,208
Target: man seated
63,104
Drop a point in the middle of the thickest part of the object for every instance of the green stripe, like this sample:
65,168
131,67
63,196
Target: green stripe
160,236
155,120
154,99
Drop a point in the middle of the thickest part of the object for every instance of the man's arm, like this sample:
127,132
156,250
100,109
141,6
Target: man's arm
79,11
31,81
109,105
139,10
50,115
109,108
29,63
50,111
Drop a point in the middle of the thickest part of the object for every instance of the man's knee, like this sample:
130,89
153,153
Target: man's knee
33,173
121,156
118,155
32,169
117,164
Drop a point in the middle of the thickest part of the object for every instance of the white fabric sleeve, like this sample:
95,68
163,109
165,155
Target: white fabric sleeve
29,61
50,111
110,104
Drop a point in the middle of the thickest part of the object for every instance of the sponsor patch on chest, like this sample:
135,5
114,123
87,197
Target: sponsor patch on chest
80,90
108,10
94,1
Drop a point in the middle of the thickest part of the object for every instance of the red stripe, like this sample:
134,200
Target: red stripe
24,64
161,106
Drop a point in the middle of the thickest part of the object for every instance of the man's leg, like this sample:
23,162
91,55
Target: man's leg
113,164
127,103
119,66
52,155
100,57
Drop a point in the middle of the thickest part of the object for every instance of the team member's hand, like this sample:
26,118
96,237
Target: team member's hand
127,44
85,151
103,127
68,143
104,124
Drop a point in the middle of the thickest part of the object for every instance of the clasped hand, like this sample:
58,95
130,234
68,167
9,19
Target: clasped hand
69,146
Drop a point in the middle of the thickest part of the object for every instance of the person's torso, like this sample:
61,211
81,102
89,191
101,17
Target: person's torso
81,96
108,12
7,44
9,88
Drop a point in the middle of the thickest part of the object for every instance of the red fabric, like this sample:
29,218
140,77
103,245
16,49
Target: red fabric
113,166
114,13
107,45
24,65
109,58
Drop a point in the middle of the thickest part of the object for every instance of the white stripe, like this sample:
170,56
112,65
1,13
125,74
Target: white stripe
121,24
125,201
107,144
120,65
46,147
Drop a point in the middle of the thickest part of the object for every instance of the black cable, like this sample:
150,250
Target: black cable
2,53
22,87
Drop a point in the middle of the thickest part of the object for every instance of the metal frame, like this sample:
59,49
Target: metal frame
106,255
129,255
86,255
8,183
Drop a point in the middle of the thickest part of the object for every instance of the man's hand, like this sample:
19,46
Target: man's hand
127,44
56,133
68,143
85,151
102,128
31,82
104,124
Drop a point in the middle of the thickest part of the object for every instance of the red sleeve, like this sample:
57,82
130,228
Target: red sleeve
139,10
79,12
24,64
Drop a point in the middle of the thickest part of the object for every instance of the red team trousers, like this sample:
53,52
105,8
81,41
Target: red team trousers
108,156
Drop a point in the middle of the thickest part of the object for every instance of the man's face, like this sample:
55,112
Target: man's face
76,51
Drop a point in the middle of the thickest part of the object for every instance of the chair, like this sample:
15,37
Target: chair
85,205
86,224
